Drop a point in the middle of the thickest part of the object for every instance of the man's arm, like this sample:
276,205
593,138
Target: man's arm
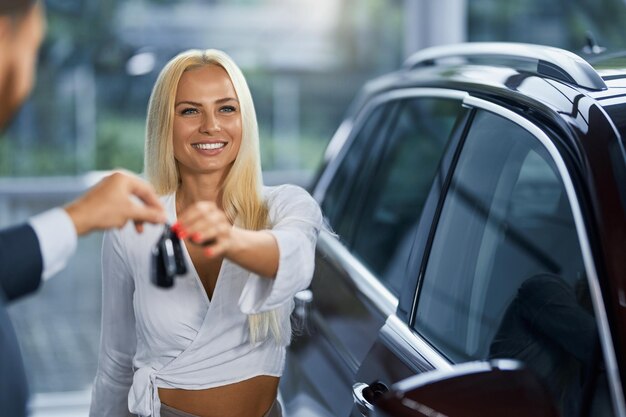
57,239
21,263
40,249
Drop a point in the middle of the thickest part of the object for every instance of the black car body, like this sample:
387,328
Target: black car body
477,199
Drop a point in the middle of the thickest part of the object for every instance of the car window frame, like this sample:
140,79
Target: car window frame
399,99
368,169
430,212
339,146
606,342
341,143
351,127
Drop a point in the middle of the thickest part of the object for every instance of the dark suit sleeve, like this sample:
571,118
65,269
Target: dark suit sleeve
21,262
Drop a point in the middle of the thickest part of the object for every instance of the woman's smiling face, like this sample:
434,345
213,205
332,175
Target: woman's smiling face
207,122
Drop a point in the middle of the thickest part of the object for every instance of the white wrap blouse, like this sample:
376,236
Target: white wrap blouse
176,337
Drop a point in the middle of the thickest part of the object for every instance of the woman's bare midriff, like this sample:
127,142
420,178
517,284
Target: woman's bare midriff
252,397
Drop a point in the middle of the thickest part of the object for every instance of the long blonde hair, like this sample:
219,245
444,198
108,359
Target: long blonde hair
241,194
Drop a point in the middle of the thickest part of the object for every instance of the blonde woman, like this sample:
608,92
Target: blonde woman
213,344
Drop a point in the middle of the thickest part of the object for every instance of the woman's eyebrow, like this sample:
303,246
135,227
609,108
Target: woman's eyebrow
193,103
225,99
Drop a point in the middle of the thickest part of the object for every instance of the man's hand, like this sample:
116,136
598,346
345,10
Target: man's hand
110,203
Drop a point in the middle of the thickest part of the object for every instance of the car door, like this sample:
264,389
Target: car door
505,275
318,365
360,270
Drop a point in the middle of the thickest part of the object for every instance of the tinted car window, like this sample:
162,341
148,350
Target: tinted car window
505,277
345,176
404,171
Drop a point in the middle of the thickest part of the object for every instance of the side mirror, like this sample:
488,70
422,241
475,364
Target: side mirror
476,389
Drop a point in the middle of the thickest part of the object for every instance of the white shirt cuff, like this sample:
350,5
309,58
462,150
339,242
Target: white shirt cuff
57,239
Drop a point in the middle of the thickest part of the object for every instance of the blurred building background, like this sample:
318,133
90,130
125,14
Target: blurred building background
304,60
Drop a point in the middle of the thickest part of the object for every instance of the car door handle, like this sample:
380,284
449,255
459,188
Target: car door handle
302,304
363,394
303,300
301,312
364,406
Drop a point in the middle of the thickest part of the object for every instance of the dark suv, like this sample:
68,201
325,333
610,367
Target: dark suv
478,265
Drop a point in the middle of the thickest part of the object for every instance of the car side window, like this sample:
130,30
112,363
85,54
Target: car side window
404,172
505,276
346,174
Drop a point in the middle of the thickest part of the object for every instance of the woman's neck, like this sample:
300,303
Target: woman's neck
199,188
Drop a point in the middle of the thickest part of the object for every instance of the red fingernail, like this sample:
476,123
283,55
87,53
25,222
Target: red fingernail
208,252
196,237
175,227
181,234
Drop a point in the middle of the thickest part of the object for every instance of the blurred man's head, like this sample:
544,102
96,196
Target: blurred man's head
22,28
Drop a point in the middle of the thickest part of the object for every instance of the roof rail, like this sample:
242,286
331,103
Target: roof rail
553,62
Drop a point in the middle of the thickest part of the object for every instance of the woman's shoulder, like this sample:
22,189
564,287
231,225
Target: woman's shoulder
286,194
289,200
282,188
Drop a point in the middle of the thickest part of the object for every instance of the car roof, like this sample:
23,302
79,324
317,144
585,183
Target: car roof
525,74
541,82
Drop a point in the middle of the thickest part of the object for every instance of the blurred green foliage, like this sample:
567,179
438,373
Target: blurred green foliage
120,141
